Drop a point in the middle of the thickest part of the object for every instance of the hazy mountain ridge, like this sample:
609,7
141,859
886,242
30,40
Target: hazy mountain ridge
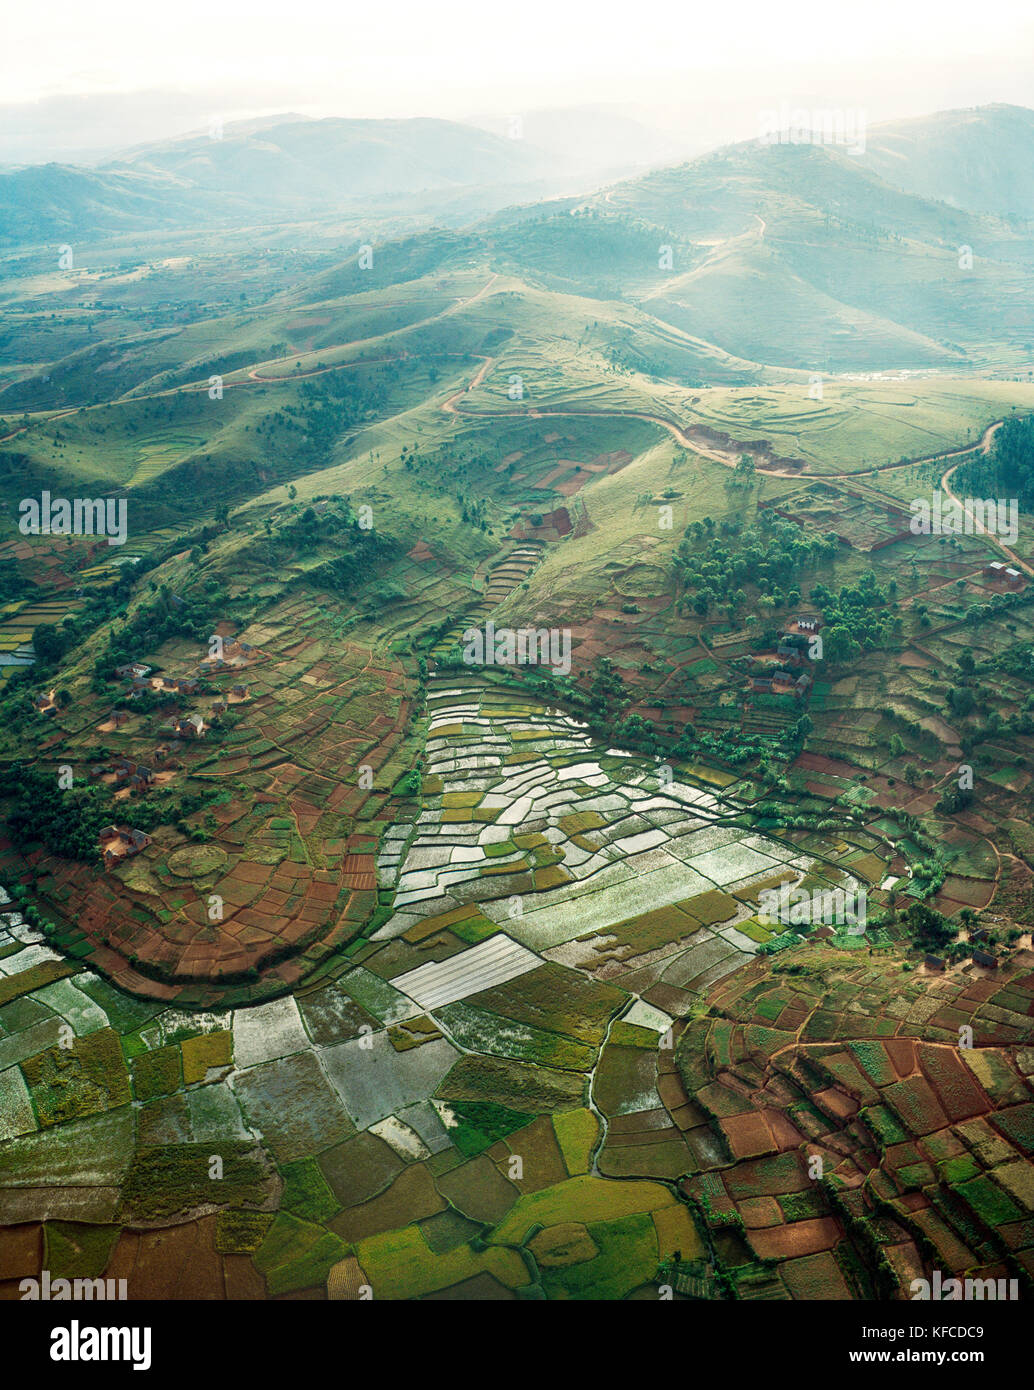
979,159
791,256
298,169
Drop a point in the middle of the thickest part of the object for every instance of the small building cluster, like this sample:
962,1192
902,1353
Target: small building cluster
1004,574
136,776
235,654
141,680
804,625
121,842
783,682
789,677
133,775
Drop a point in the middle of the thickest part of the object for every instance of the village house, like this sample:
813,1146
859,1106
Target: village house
121,841
133,669
193,726
1004,574
134,774
800,629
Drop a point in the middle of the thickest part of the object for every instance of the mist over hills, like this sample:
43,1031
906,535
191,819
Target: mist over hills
258,171
291,168
979,159
794,256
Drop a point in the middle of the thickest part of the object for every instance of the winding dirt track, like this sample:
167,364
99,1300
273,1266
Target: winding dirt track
255,378
998,545
727,458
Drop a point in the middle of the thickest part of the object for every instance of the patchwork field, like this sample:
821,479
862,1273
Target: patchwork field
338,960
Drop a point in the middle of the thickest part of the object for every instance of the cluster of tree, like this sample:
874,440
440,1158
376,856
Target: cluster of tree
355,564
1007,470
68,821
928,875
51,641
954,798
928,928
331,405
192,615
769,558
857,618
11,583
304,529
31,912
474,511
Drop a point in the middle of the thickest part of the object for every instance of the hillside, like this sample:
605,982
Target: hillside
977,159
486,760
298,169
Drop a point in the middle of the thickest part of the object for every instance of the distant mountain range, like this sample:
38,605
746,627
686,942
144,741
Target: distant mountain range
981,159
812,252
287,169
790,254
911,248
292,168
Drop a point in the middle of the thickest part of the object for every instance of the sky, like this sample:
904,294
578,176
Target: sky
113,72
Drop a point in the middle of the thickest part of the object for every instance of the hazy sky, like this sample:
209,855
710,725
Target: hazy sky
455,58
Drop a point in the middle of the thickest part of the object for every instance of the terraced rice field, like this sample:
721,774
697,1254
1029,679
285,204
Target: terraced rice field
501,579
580,853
